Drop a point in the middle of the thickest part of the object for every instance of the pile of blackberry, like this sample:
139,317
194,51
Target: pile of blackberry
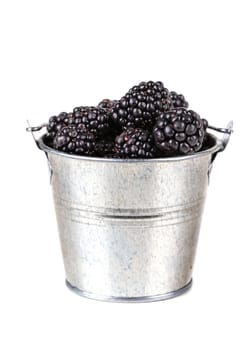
147,122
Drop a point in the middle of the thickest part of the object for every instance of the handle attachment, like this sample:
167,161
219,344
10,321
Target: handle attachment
226,130
226,137
33,129
222,142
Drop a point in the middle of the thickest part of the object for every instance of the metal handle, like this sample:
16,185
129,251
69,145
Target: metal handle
222,142
33,129
223,130
226,137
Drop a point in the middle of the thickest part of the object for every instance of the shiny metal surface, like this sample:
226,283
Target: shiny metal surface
129,228
148,299
227,130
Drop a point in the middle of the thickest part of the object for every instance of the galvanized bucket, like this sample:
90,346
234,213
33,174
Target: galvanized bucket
129,228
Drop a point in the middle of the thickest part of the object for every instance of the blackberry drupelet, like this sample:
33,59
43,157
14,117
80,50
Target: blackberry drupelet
91,119
179,130
178,100
72,140
135,143
140,107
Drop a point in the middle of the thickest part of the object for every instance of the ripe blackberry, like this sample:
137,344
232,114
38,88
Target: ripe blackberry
135,143
56,123
91,119
179,130
178,100
140,107
104,147
106,104
205,123
71,140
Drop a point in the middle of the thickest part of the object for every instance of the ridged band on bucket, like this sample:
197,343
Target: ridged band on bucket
146,299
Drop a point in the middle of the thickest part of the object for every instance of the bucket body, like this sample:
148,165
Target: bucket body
129,228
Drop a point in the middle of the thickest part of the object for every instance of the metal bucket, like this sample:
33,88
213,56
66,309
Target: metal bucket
129,228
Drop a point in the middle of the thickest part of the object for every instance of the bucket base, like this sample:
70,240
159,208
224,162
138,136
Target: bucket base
145,299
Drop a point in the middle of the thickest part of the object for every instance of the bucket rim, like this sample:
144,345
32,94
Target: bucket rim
218,146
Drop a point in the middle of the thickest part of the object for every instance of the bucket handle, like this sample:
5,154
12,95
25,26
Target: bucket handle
222,143
33,129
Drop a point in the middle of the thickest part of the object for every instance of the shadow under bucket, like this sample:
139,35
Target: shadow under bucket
129,228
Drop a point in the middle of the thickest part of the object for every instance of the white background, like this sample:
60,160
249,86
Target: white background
59,54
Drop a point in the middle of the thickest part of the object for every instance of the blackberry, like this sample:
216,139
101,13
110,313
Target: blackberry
135,143
106,104
72,140
205,124
140,107
179,130
104,147
91,119
178,100
56,123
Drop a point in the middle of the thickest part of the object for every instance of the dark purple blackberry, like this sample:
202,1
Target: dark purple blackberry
135,143
91,119
205,126
107,104
140,107
72,140
56,123
205,123
104,147
114,129
178,100
179,130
